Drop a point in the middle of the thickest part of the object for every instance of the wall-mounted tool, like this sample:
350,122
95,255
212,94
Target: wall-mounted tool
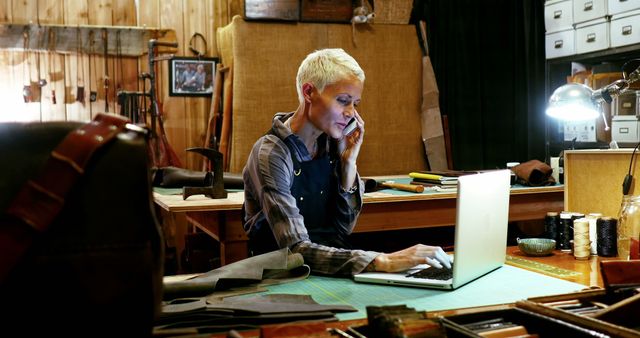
79,68
27,95
41,81
52,64
105,41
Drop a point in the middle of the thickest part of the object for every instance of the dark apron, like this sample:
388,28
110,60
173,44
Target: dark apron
314,186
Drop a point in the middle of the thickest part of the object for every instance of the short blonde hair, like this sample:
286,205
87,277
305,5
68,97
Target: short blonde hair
327,66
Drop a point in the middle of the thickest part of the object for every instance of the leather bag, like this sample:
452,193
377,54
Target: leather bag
96,270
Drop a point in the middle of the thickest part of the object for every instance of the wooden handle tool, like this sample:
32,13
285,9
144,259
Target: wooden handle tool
404,187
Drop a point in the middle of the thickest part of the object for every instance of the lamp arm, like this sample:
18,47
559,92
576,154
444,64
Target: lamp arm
604,118
608,92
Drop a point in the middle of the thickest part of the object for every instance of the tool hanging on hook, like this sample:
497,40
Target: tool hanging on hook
192,45
118,71
27,94
105,41
41,82
52,64
79,68
93,95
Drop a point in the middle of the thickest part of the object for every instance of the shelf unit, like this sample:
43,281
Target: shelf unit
556,72
127,41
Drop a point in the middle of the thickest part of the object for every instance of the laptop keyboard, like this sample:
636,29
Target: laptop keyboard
433,273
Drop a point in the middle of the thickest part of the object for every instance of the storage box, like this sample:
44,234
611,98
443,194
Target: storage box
564,315
558,15
627,103
560,44
620,6
586,10
470,325
326,10
592,36
625,29
624,129
619,308
287,10
581,131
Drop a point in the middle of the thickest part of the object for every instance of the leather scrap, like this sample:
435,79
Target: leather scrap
256,310
174,177
269,268
534,173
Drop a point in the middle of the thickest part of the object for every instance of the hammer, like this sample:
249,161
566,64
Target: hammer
372,185
214,183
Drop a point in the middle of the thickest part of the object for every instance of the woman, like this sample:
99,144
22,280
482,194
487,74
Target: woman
302,188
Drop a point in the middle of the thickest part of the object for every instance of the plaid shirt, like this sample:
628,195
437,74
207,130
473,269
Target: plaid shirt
268,178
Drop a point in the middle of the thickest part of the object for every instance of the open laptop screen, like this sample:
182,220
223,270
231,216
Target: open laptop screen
482,212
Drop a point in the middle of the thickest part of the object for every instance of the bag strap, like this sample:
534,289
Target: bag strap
41,199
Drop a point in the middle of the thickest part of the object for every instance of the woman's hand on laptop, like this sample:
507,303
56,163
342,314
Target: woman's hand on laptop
410,257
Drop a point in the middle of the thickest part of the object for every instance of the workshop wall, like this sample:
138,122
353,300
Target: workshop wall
185,118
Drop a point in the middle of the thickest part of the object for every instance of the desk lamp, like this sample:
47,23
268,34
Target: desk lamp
577,102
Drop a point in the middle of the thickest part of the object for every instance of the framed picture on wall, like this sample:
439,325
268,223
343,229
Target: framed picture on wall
192,76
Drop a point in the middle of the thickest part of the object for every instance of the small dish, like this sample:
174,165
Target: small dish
536,246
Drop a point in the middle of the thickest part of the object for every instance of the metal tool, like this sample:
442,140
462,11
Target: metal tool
213,181
371,185
400,186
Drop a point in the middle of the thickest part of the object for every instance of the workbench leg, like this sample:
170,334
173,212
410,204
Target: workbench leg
234,244
174,227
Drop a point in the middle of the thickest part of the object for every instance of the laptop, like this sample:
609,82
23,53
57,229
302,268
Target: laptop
482,214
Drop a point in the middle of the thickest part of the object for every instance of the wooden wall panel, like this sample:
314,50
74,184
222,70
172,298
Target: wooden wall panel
51,64
6,58
173,108
77,65
24,11
196,109
148,15
125,70
99,14
185,118
5,11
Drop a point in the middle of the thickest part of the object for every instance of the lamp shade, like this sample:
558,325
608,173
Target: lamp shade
572,102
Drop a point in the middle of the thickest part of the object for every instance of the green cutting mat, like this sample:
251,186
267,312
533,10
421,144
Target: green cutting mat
505,285
540,267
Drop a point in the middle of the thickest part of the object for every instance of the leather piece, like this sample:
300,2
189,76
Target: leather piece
174,177
100,262
47,191
271,266
257,310
534,173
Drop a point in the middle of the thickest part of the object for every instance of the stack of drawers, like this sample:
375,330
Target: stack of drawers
583,26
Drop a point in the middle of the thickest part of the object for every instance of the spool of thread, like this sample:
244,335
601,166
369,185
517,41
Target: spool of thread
606,230
565,232
581,242
551,224
593,235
